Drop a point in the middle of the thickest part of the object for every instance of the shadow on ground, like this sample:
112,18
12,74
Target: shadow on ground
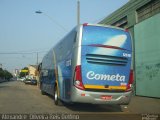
93,108
83,107
3,87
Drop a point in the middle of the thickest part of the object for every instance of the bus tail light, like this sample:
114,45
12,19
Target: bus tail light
85,24
131,80
78,78
126,30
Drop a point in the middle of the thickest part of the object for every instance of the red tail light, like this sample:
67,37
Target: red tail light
126,30
131,80
78,78
85,24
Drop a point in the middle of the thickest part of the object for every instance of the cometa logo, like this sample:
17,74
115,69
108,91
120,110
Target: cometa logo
93,76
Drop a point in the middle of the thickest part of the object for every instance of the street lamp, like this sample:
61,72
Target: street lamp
40,12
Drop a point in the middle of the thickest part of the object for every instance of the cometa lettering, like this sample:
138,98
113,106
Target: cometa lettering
93,76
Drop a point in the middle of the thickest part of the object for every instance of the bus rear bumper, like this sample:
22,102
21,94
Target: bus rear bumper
120,98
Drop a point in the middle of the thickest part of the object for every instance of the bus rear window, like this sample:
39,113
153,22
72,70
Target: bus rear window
107,36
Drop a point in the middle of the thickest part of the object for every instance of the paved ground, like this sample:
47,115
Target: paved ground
16,97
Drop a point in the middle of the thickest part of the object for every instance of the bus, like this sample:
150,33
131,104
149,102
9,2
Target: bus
91,64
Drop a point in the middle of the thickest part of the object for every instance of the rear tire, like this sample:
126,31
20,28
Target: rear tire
42,92
57,101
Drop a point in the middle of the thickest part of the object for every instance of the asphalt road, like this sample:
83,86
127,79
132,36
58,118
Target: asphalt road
16,97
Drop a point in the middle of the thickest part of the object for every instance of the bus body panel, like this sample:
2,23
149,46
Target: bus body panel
58,59
105,69
80,96
104,62
80,49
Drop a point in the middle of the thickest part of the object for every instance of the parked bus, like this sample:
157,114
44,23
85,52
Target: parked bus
92,64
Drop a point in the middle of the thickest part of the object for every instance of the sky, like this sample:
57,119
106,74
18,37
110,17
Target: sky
24,33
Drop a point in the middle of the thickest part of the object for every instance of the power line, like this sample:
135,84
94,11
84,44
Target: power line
22,52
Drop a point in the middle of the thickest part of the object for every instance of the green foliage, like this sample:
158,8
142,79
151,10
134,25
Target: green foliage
5,74
23,74
1,73
25,68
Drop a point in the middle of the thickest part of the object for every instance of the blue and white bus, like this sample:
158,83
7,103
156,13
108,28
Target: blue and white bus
92,64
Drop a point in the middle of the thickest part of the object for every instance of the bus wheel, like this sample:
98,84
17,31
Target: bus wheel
57,101
42,92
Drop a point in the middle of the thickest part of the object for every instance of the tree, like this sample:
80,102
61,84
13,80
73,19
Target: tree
5,74
1,73
23,72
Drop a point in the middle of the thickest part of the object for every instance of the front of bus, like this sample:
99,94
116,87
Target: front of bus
103,74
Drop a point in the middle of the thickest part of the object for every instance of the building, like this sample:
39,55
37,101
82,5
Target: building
142,18
16,72
32,71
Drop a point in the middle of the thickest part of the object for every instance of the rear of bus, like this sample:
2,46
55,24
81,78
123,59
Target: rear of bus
103,72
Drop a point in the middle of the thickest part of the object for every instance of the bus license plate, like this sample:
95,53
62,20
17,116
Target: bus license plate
106,97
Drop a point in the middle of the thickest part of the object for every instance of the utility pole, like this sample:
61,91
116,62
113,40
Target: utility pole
78,12
37,58
0,65
37,69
